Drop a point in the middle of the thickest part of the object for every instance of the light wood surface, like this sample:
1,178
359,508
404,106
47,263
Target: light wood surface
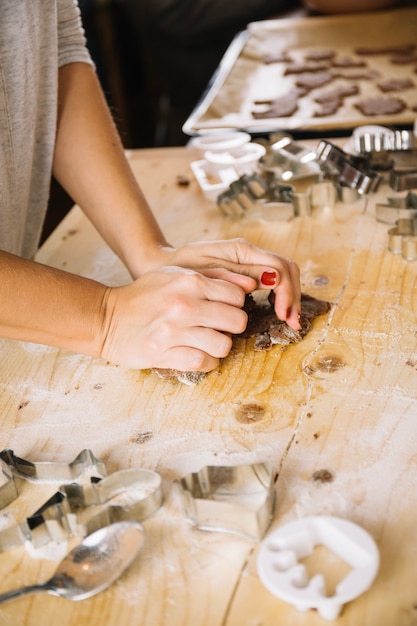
344,400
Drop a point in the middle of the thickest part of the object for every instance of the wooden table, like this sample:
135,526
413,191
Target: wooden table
344,399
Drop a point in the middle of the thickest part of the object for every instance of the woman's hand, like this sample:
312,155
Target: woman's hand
172,318
241,263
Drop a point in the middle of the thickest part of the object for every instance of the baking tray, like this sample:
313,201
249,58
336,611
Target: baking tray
243,77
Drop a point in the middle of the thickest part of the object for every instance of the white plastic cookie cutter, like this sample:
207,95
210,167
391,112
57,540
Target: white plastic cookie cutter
226,157
286,578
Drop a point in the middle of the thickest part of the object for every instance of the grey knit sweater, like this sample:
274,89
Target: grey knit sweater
36,38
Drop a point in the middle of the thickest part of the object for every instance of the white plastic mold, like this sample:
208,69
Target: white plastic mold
226,157
280,571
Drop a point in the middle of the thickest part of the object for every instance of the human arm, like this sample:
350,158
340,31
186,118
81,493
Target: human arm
169,318
90,164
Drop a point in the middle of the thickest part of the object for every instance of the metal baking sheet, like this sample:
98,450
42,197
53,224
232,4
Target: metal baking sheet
243,77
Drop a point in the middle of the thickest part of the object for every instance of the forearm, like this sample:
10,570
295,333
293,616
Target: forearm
44,305
90,164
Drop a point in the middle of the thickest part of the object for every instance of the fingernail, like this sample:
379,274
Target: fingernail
269,278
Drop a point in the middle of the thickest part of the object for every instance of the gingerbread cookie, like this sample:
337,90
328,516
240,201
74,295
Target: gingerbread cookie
381,106
312,81
304,68
284,106
332,100
396,84
406,48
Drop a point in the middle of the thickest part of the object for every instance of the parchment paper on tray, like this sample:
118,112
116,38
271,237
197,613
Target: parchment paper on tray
285,74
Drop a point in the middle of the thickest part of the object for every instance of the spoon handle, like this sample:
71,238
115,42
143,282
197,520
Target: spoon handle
23,591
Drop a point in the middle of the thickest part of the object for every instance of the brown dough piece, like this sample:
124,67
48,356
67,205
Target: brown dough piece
348,62
268,330
302,68
396,84
381,106
333,99
404,59
324,55
312,81
328,107
337,93
188,378
279,57
400,49
284,106
369,75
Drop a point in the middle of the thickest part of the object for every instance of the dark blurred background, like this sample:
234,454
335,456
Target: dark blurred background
155,59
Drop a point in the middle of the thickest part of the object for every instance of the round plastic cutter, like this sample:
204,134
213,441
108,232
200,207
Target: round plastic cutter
280,571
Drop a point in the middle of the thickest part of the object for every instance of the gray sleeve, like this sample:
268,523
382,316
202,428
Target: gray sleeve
71,38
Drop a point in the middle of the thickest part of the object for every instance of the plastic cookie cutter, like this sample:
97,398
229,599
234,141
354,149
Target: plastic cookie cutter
238,499
396,208
230,141
281,572
227,157
350,174
402,239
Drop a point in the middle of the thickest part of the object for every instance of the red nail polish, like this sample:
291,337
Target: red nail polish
269,278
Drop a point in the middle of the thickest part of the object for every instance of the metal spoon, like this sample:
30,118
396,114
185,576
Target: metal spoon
93,565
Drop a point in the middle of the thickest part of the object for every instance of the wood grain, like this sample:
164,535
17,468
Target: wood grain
344,399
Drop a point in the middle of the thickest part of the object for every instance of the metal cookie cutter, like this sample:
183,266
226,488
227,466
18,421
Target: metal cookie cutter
289,155
13,467
257,195
8,487
238,499
385,148
123,495
349,174
401,179
84,462
397,208
369,139
402,239
127,494
280,571
290,162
